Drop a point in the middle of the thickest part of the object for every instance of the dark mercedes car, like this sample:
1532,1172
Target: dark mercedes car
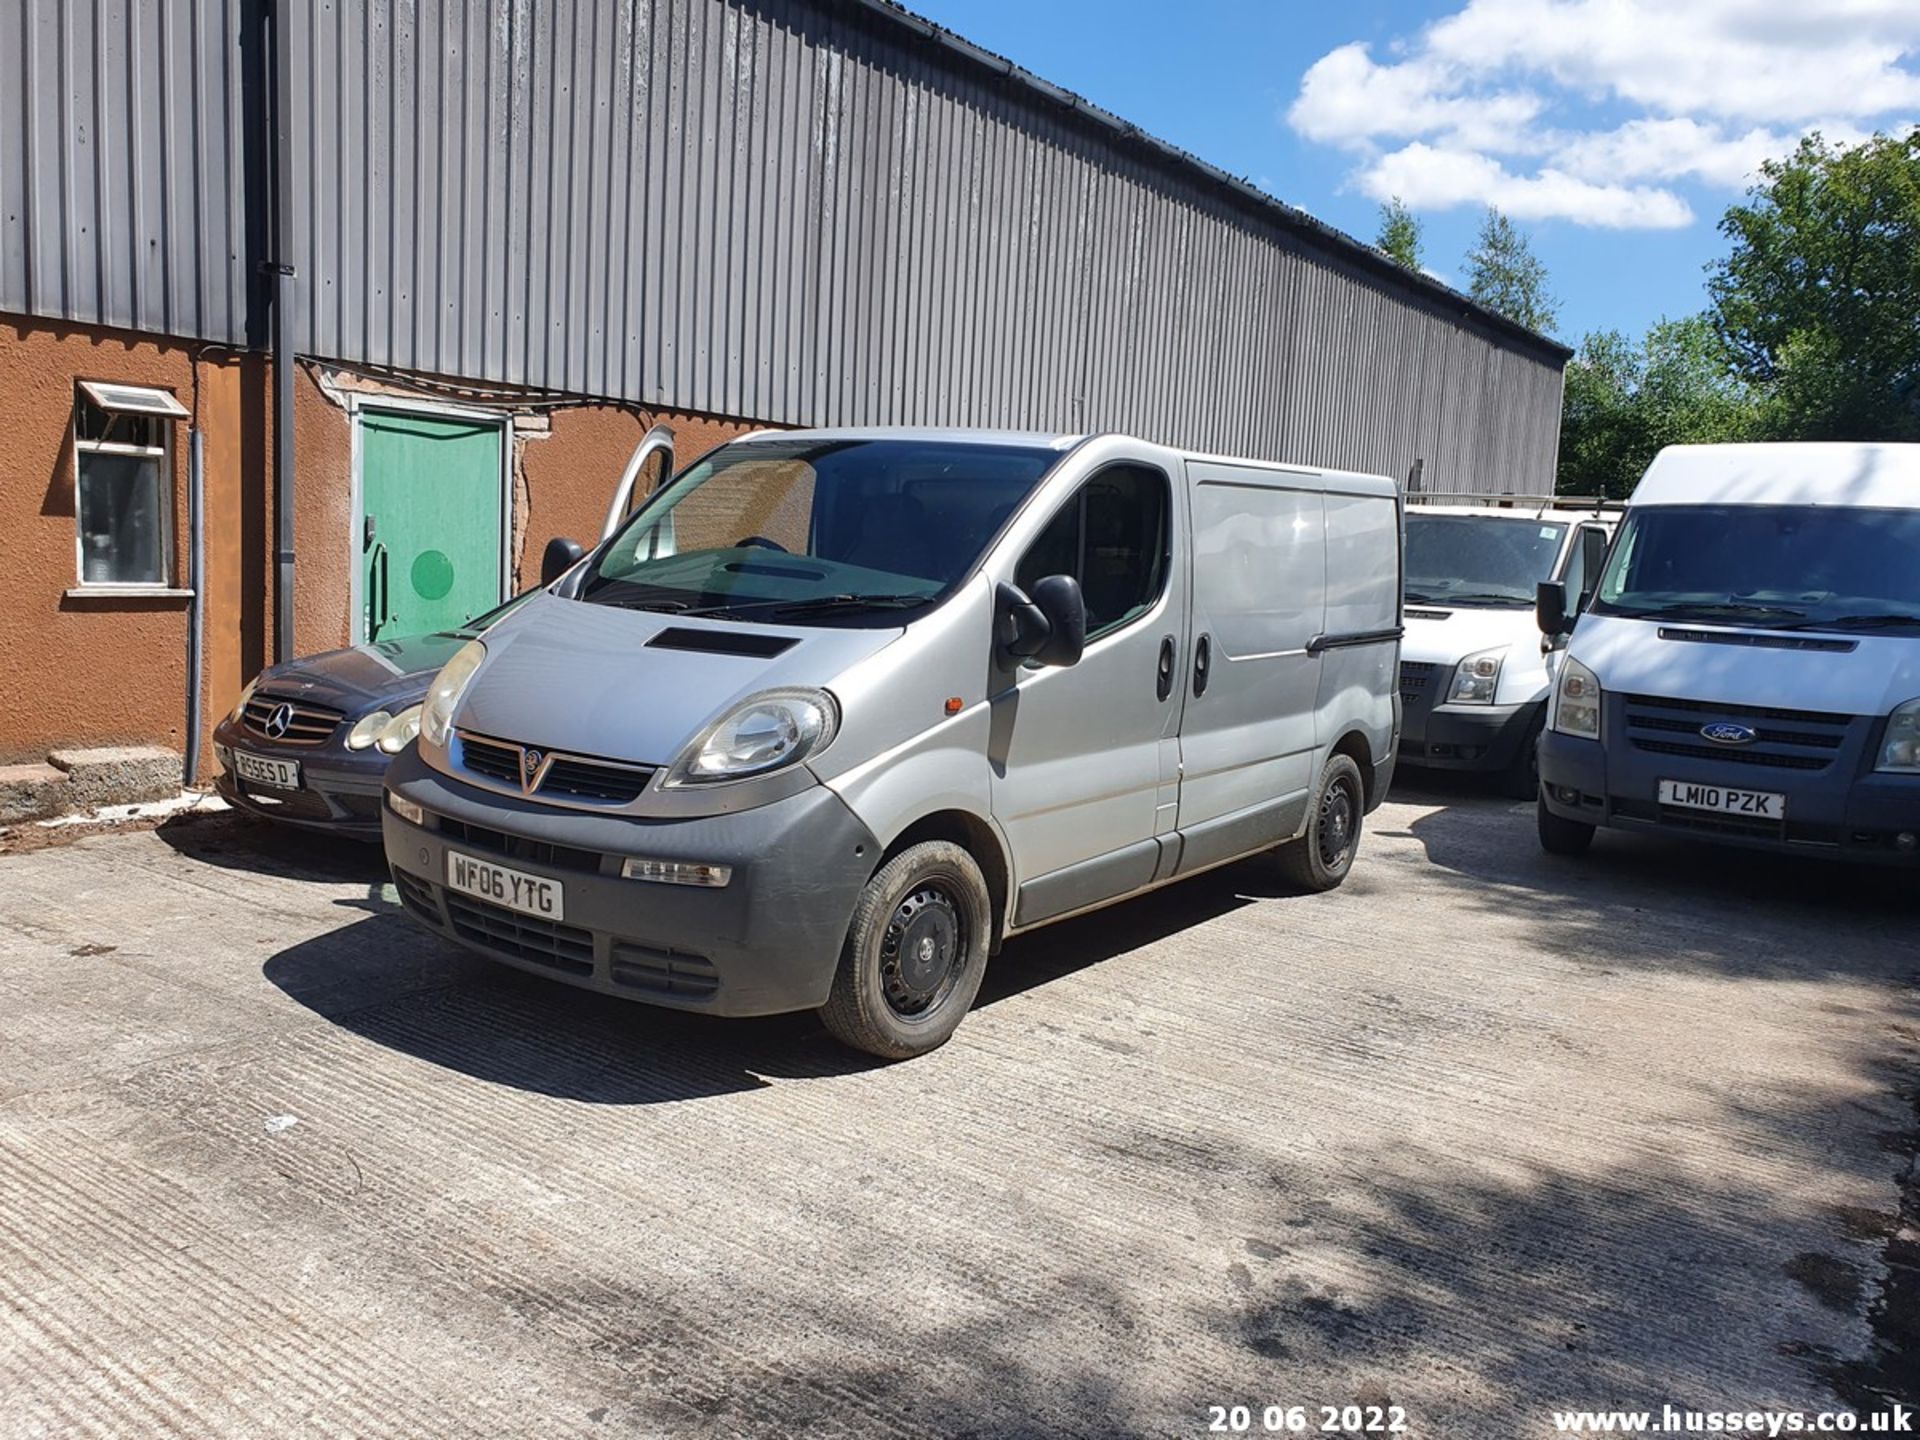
309,742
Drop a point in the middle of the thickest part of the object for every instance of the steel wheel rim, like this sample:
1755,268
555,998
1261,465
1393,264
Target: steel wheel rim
1338,814
922,951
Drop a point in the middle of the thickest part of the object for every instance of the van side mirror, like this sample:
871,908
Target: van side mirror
1550,608
1049,627
560,556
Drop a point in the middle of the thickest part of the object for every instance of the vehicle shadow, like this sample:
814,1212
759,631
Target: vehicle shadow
233,840
396,984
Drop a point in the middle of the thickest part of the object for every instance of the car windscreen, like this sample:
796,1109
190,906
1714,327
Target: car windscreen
1788,567
836,530
1479,559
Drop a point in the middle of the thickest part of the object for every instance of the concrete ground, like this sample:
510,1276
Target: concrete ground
1480,1135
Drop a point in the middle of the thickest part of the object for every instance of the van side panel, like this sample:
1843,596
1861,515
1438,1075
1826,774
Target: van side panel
1247,739
1358,680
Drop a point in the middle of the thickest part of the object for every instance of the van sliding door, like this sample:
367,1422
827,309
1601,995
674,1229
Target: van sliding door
1259,595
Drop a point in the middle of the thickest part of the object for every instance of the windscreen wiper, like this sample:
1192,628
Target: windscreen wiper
1476,597
1714,610
1878,621
819,603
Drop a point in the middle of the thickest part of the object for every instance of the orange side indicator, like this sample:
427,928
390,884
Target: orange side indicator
955,705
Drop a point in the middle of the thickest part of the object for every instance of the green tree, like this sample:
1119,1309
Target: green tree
1819,299
1399,233
1625,400
1505,275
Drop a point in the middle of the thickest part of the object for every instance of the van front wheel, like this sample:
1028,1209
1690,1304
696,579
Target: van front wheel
915,953
1320,859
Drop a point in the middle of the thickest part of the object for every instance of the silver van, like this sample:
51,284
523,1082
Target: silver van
837,712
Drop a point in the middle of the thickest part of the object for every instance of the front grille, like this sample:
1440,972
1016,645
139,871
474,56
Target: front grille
1416,674
543,942
1802,740
491,758
417,895
577,777
519,847
304,724
594,780
1708,822
665,972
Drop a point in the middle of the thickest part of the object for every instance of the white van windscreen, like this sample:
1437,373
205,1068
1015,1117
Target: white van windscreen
1478,559
1779,567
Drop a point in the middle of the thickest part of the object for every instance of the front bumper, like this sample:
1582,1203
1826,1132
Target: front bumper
1839,815
1464,737
767,942
339,790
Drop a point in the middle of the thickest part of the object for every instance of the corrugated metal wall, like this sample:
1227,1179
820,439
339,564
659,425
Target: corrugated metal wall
799,213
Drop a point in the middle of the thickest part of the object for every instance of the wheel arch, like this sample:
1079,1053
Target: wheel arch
978,838
1357,748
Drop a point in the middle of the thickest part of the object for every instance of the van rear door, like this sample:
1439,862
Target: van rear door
1247,739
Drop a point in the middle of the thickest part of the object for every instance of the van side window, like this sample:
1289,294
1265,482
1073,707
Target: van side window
1113,538
1593,544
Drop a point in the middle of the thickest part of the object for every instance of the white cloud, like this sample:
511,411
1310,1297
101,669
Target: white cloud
1598,111
1427,178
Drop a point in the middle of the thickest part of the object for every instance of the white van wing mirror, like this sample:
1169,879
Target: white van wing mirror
1550,608
657,441
1048,628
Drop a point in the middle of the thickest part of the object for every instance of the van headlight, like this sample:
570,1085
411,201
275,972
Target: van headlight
1900,751
1476,678
436,712
768,732
1576,700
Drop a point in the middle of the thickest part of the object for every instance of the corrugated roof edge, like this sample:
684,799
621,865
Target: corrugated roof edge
1365,256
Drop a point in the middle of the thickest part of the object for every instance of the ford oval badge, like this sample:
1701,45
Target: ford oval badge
1725,732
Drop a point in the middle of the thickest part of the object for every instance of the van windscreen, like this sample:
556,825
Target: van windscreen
1777,567
1479,559
834,530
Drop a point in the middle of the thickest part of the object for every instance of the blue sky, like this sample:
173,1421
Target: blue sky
1615,132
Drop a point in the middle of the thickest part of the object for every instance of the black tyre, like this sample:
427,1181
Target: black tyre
1559,836
1320,859
1521,779
915,953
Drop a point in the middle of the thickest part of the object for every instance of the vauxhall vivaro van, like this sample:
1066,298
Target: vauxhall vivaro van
1473,678
1749,668
837,712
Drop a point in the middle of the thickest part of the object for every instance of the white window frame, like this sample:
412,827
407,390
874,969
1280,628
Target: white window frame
161,406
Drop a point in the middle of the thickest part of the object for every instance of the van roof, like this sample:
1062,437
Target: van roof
1351,481
1784,473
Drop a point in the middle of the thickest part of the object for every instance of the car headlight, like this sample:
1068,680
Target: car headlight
1900,751
1576,701
367,729
1476,678
436,712
399,731
767,732
240,707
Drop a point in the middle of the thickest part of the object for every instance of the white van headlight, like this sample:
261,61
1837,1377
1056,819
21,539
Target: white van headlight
1476,678
767,732
436,712
1576,700
1900,752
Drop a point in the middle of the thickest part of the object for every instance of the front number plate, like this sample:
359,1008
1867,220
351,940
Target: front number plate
510,889
1753,804
260,770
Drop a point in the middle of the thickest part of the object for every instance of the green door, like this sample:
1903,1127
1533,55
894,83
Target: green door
430,522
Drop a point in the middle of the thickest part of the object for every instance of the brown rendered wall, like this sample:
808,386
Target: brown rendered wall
113,671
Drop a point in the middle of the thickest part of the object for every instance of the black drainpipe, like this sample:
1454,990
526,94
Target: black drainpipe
280,118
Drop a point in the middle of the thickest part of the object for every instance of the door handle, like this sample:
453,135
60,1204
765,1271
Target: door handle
378,595
1202,664
1163,678
369,527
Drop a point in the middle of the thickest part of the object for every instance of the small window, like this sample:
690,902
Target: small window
1593,542
123,483
1112,538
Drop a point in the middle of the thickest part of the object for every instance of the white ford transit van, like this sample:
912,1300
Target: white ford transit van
836,712
1749,668
1473,679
